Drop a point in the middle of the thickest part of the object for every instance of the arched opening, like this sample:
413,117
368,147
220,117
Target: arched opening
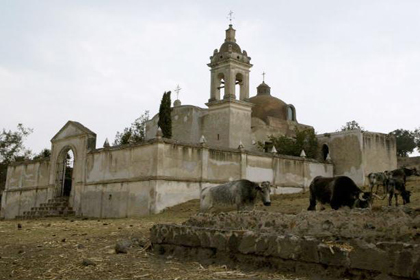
65,167
221,85
239,84
291,113
325,151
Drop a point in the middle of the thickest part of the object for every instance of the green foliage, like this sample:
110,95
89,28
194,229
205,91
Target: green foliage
304,140
12,149
45,153
165,120
406,141
11,143
417,138
135,133
351,126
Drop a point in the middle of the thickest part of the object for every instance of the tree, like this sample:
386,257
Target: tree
417,138
135,133
303,140
12,149
45,153
165,120
352,125
406,141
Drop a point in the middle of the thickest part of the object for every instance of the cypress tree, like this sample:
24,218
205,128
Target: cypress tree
165,120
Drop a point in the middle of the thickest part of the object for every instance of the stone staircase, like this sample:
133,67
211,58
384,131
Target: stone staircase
56,207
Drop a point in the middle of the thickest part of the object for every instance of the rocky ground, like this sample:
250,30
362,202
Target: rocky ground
85,249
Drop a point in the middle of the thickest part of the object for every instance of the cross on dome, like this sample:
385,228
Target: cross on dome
177,90
230,17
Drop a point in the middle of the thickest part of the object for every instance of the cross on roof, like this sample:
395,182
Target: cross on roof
177,90
230,16
263,74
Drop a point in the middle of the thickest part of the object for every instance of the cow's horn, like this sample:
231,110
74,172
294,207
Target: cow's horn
361,196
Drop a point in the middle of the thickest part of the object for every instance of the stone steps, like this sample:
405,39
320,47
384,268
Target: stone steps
56,207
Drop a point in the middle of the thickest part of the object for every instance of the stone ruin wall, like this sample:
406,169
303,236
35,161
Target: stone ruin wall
351,244
138,180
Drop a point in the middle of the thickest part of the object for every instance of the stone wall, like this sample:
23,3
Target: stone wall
186,124
379,152
27,186
356,154
346,153
300,252
137,180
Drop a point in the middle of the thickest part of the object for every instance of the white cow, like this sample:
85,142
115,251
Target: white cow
242,193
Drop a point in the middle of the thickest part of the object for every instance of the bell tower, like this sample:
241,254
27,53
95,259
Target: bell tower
229,66
228,122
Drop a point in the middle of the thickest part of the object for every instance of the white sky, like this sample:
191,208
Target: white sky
103,63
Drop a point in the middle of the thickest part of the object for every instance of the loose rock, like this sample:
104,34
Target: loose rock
122,246
87,262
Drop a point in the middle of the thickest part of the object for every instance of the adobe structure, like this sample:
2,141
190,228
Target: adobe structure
209,146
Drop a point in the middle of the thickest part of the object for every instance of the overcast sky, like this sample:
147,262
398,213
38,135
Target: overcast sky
103,63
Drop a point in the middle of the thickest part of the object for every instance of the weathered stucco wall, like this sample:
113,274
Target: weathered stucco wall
216,127
183,162
122,164
186,124
346,153
27,186
356,154
28,174
379,152
114,200
240,127
410,162
138,180
223,166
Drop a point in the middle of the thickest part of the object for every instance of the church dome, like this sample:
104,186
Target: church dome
225,47
266,105
229,50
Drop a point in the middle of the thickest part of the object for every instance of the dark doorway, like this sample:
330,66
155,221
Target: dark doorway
325,151
65,172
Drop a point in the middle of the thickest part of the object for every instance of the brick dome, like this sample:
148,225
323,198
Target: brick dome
266,105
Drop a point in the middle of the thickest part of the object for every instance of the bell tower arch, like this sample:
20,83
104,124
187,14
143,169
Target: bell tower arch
228,122
229,66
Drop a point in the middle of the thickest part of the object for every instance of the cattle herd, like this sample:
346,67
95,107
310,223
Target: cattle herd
336,191
393,183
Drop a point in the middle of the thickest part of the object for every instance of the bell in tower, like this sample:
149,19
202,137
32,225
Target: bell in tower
229,68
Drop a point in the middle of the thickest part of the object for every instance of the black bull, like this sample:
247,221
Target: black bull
338,192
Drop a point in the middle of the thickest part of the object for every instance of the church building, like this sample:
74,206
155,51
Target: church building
210,146
231,117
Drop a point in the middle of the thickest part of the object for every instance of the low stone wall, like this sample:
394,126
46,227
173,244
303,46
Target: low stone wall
318,254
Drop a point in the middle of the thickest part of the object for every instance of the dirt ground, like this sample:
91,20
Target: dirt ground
85,249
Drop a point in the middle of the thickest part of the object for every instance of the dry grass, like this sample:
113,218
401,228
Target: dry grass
55,248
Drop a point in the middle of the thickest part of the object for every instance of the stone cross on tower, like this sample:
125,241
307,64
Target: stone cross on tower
177,90
263,74
230,16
